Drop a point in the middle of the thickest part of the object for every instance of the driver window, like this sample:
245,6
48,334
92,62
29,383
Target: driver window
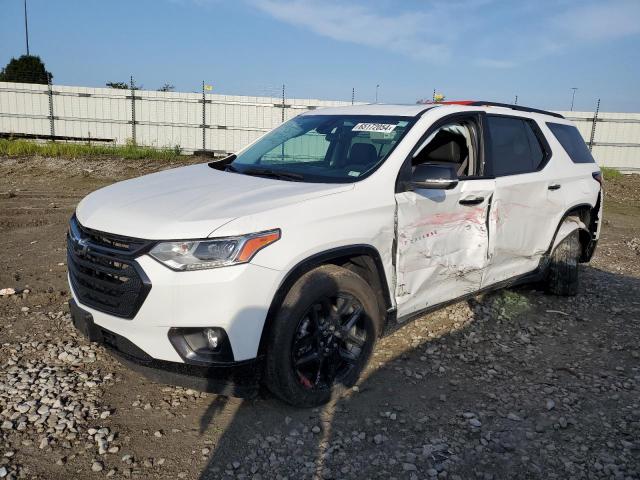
451,143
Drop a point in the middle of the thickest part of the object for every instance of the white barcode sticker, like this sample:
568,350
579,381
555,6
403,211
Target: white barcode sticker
374,127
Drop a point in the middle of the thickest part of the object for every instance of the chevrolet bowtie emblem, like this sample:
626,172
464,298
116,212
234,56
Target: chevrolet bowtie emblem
83,247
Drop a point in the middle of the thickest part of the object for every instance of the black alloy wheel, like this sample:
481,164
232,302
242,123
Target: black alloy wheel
322,337
328,341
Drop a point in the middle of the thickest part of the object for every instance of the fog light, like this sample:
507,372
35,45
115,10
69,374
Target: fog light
201,345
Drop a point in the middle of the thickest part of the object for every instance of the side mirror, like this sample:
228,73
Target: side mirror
441,176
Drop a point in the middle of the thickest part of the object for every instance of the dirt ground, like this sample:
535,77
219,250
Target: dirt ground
514,384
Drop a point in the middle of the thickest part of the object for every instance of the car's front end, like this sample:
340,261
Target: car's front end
192,326
176,272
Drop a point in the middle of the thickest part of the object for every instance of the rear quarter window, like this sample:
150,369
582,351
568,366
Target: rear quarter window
572,142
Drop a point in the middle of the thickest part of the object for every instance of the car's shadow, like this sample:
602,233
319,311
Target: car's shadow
465,391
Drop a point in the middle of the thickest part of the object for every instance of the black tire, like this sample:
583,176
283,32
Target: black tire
562,275
302,319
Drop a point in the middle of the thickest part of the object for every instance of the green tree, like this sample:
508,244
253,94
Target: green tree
26,69
167,87
120,85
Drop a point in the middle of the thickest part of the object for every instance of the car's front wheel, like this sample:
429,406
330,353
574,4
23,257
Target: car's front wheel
323,336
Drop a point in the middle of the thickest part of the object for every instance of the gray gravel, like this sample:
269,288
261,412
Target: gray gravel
50,397
511,385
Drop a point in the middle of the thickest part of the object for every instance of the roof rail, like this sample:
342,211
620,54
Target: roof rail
480,103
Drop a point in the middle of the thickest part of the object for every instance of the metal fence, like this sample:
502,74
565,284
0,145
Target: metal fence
222,123
191,121
614,138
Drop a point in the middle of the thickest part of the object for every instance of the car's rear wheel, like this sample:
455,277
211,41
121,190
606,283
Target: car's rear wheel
562,275
322,337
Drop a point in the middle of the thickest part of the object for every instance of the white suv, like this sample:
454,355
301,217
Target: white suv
284,263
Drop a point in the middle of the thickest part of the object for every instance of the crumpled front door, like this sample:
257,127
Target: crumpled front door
443,243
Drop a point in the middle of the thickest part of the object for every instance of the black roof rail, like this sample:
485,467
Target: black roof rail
514,107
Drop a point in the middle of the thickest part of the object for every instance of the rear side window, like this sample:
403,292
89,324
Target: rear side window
515,148
573,143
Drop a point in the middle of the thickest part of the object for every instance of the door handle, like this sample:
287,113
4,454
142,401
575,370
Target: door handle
555,186
472,200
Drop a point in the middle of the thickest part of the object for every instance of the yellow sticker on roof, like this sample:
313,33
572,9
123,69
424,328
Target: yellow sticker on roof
374,127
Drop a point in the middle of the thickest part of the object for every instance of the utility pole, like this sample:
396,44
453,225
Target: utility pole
353,95
593,126
204,120
573,96
516,101
283,105
377,87
133,111
26,26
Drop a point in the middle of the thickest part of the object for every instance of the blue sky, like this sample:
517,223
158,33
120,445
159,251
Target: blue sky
466,49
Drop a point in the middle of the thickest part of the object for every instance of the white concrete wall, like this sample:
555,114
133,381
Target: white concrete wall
167,119
617,139
163,119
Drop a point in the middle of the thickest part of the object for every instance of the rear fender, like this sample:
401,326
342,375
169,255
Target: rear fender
569,225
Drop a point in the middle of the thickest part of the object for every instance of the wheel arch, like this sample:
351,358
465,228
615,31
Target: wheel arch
586,214
363,259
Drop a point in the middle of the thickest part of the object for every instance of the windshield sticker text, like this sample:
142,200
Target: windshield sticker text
374,127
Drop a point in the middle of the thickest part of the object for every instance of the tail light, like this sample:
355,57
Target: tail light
597,176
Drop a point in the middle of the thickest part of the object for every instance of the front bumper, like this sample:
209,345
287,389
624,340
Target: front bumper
236,299
238,379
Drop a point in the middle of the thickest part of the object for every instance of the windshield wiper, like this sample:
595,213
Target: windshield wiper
265,172
223,162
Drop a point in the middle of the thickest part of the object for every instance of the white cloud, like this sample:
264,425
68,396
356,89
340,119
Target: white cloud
411,34
600,21
498,34
494,63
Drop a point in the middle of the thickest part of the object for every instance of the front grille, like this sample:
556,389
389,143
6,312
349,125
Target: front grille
103,272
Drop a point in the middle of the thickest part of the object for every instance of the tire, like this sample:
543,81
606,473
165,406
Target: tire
299,370
562,275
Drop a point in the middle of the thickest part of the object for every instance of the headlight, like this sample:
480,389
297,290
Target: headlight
217,252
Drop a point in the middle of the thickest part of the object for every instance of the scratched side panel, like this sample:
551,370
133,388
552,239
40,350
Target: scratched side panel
522,221
442,245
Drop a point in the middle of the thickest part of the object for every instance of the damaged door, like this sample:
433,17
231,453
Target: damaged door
442,247
527,203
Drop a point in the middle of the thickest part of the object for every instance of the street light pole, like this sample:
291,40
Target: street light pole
573,96
26,26
377,86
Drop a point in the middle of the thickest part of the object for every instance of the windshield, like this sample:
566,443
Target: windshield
324,148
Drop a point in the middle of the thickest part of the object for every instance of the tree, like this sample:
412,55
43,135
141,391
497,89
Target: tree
26,69
167,88
120,85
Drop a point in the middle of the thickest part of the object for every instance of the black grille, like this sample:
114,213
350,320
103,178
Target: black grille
103,272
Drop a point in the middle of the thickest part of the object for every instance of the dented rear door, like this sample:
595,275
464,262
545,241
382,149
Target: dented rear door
443,240
528,201
525,216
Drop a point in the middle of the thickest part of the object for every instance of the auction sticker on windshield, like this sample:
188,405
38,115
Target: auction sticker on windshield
374,127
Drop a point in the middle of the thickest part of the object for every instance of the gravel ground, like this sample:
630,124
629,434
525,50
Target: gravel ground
514,384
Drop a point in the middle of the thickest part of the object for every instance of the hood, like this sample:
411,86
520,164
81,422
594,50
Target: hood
189,202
